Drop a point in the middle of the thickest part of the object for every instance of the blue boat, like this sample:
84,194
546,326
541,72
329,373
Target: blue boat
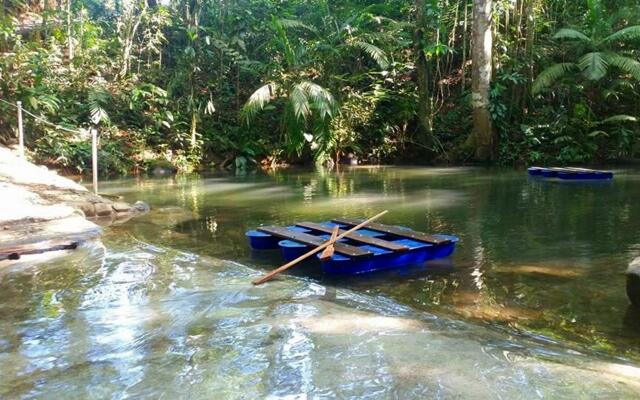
570,173
373,248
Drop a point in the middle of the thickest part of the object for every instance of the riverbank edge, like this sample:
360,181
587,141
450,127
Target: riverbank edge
45,212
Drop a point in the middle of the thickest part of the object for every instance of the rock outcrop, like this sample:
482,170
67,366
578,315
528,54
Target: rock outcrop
633,282
43,211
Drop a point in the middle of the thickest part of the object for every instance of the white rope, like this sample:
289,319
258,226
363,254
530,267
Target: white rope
44,121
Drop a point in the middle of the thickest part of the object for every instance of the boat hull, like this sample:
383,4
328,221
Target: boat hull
572,174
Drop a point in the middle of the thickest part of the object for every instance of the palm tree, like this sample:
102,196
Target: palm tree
597,51
307,105
309,108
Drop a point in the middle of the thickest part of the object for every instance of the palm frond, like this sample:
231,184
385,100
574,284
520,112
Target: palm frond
593,65
283,39
323,137
626,64
98,114
619,118
374,52
630,32
257,101
98,99
595,12
48,102
547,77
294,23
568,33
320,99
294,129
300,102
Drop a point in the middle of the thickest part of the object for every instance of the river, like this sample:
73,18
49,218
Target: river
531,304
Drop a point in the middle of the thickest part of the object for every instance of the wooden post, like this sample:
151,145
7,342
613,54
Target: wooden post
20,130
94,158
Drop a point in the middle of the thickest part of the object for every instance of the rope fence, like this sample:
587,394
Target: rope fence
39,119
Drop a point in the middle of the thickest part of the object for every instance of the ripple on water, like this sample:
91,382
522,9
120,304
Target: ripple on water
152,322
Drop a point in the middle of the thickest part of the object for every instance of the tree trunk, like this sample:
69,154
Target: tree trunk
531,31
463,74
69,30
483,135
131,30
422,76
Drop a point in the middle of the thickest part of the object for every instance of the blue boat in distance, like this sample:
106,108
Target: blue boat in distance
570,173
372,248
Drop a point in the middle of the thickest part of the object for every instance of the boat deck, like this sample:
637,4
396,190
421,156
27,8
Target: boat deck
373,247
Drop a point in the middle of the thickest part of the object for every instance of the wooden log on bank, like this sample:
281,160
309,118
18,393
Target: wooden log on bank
16,252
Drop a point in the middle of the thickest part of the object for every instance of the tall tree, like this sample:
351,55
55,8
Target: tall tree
422,74
483,135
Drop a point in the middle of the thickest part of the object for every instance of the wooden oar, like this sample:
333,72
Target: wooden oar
328,252
317,249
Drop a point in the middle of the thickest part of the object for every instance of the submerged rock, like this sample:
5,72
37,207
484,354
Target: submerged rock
141,206
633,282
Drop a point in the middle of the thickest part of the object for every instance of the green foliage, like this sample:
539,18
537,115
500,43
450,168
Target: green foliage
199,83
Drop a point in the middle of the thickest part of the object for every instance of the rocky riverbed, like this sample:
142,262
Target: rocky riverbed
42,211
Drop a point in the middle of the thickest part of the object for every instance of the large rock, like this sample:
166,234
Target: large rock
22,172
633,282
121,207
104,209
19,203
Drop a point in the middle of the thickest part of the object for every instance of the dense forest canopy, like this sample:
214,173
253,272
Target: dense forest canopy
199,83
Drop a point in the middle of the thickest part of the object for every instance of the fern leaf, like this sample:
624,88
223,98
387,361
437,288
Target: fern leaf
547,77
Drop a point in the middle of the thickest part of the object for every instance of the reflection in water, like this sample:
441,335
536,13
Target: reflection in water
144,321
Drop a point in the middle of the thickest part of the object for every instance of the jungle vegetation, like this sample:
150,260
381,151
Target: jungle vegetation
204,83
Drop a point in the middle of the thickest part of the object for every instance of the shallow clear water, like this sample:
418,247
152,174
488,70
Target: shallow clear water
531,305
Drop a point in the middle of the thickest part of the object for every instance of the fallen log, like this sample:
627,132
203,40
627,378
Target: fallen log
16,252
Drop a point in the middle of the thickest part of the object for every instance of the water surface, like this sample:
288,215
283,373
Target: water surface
531,304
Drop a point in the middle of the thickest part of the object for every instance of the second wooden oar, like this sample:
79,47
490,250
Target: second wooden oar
314,251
